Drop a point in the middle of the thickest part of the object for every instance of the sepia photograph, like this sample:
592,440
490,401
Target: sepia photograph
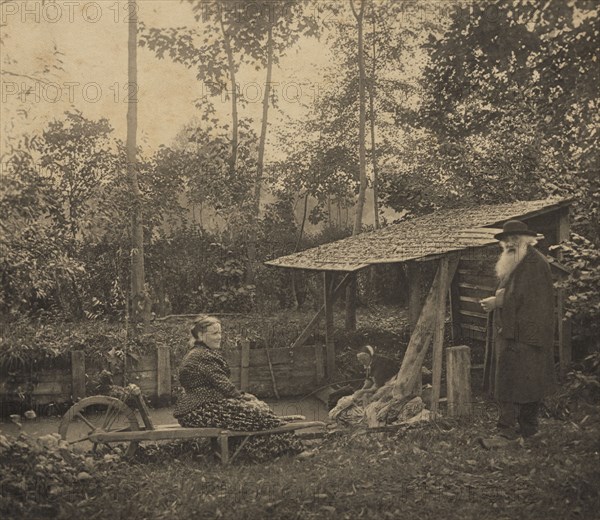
299,259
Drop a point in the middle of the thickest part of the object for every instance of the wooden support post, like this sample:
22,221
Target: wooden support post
564,228
458,380
163,383
224,445
244,365
320,367
438,334
415,300
78,374
351,296
415,306
421,337
330,347
313,323
455,309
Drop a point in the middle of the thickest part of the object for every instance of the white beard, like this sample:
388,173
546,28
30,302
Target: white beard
509,260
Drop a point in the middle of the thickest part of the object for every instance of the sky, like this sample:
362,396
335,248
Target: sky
92,40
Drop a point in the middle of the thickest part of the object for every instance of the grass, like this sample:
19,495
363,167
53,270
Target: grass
437,470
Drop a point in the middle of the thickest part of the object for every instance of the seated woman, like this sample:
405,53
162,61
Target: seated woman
211,400
378,370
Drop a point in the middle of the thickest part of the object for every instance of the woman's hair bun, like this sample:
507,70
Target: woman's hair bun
201,323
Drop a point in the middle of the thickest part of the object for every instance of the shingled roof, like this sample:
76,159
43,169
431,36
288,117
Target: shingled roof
431,235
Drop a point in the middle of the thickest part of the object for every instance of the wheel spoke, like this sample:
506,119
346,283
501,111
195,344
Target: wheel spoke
110,417
86,421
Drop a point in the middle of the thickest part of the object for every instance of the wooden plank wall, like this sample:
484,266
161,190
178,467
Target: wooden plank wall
476,280
294,372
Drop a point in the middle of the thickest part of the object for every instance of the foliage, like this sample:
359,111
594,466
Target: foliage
510,107
37,237
507,109
580,393
26,344
233,296
582,286
321,151
38,473
65,233
75,158
229,35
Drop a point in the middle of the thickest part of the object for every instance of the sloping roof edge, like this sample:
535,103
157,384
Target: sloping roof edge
479,235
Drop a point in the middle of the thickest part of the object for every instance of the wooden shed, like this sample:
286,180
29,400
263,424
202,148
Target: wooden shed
461,241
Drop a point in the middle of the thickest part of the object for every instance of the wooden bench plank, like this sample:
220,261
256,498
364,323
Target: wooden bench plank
170,433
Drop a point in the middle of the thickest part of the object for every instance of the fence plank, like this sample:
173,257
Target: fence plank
78,374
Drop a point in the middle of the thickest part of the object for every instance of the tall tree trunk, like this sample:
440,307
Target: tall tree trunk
362,163
234,95
303,223
299,296
372,111
139,299
252,238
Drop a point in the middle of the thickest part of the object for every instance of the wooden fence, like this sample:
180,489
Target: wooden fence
263,372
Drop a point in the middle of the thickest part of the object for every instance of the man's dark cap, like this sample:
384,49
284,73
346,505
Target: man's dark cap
514,227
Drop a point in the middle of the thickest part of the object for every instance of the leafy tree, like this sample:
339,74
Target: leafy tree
511,105
228,35
76,158
37,270
359,15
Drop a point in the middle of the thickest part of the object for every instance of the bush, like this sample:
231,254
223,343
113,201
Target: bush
582,286
38,475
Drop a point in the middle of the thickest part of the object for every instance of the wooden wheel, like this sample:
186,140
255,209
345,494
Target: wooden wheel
98,414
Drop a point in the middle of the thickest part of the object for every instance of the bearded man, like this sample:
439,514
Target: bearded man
519,364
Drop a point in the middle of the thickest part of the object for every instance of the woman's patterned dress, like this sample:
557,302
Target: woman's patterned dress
212,401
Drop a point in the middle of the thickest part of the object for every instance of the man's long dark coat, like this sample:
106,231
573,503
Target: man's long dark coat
519,360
